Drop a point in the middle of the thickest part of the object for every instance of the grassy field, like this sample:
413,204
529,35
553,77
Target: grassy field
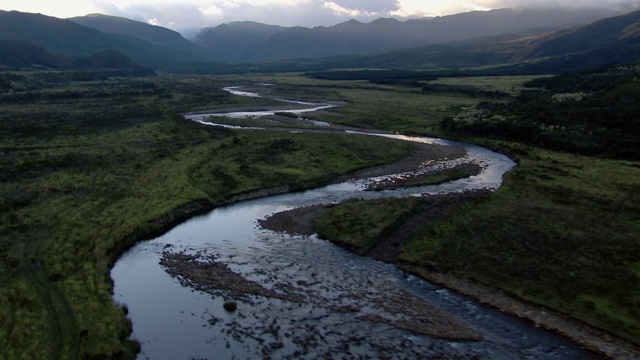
88,167
355,222
406,109
561,232
508,84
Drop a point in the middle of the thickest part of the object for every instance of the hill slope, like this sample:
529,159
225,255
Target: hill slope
149,33
24,54
21,53
600,34
610,41
67,37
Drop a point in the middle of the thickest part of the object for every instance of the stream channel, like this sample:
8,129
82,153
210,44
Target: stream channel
312,299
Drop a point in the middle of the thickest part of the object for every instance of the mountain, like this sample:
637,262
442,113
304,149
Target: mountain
478,38
23,54
350,37
54,34
149,33
600,34
234,39
258,42
67,37
609,41
110,59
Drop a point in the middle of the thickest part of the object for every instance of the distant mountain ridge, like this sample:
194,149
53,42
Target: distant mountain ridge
244,41
235,39
609,41
464,40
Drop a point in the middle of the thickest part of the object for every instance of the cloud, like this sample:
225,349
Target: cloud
365,6
360,9
620,4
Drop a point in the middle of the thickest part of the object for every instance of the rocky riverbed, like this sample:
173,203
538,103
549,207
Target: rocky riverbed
301,297
345,311
388,248
276,309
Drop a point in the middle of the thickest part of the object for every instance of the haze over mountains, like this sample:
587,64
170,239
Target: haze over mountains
353,37
464,40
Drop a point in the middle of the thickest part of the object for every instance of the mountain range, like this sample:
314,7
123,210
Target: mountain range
244,41
535,37
604,42
64,37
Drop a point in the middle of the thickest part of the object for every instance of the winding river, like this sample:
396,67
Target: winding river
338,303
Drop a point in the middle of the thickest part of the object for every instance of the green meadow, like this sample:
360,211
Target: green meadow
89,166
561,232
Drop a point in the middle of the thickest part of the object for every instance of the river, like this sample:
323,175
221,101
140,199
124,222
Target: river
317,300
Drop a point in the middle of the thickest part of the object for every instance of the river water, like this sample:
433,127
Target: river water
340,307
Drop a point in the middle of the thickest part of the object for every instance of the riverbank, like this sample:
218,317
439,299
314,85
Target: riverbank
388,247
206,270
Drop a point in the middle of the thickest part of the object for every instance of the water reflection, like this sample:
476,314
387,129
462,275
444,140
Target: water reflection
341,292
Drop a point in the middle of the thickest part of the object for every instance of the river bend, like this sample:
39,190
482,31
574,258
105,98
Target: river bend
340,308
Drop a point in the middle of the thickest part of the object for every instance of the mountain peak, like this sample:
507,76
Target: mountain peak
385,21
352,22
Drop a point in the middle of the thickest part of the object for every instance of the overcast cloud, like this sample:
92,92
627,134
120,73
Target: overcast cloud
188,16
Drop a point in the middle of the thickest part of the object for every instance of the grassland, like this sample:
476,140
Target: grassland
561,232
88,167
372,106
355,222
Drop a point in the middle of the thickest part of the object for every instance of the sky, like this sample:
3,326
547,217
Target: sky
187,16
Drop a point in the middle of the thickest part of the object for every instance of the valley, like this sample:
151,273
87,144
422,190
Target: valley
98,154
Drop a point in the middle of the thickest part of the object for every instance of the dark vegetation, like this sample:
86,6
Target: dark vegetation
399,77
20,54
591,113
355,222
562,232
91,164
